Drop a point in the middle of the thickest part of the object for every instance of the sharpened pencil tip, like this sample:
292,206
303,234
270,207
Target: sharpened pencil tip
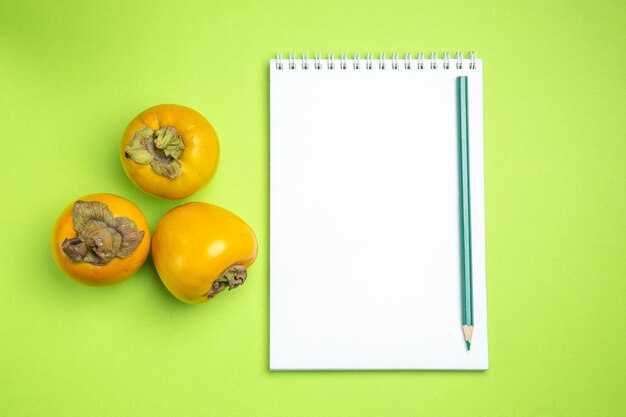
467,332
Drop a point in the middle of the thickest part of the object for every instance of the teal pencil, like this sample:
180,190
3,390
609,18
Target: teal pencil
467,303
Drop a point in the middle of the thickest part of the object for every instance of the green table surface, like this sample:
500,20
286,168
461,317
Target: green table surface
72,74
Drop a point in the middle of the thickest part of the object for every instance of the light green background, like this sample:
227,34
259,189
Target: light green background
72,74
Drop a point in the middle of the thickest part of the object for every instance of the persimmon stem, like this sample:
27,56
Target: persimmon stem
161,149
233,277
101,236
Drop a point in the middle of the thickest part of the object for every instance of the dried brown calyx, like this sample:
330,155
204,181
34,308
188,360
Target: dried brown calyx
231,278
161,149
101,236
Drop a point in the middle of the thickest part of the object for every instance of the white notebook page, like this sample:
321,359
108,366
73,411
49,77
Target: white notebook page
364,223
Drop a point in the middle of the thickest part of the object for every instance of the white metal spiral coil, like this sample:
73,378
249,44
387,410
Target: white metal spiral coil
409,63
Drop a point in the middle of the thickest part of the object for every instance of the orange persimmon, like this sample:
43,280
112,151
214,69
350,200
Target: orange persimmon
200,249
100,239
170,151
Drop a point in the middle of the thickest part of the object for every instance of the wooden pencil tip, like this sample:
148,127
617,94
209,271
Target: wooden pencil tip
467,332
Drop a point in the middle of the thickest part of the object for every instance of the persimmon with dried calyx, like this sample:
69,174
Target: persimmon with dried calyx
101,239
200,250
170,151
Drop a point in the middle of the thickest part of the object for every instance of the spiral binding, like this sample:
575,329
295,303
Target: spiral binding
369,61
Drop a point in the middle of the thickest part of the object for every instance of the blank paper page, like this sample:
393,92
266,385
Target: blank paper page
364,226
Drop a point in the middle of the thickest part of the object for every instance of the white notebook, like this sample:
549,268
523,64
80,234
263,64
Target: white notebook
364,214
